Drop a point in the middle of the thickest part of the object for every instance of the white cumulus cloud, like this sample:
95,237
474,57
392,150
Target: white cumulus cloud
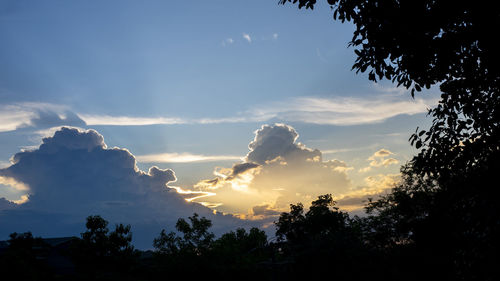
278,170
73,174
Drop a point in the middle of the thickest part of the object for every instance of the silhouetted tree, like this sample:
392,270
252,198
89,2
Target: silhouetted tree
196,239
179,254
321,240
454,228
235,254
20,261
238,252
393,218
322,219
403,227
101,254
450,208
421,43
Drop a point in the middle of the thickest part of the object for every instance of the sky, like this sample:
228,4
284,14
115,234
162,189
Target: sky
147,111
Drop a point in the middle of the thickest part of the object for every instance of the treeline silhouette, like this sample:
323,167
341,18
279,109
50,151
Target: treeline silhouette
404,236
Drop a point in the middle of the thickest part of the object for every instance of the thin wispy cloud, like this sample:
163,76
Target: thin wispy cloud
333,151
247,37
183,158
342,150
107,120
342,111
17,115
275,36
12,118
227,41
128,120
238,119
390,90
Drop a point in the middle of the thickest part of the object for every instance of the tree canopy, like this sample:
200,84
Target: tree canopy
448,43
447,205
100,252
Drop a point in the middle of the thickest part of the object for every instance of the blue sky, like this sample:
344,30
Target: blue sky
185,85
170,58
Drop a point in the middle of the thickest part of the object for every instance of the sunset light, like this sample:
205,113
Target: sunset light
249,140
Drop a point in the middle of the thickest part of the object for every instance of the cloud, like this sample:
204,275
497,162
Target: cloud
247,37
10,121
342,111
381,153
227,41
275,141
31,114
261,212
73,174
278,170
275,36
108,120
44,115
338,111
6,204
23,199
382,181
375,186
11,182
128,120
365,169
390,90
183,158
388,161
378,159
242,168
239,176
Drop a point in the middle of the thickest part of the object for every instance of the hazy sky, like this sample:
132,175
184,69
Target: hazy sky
185,85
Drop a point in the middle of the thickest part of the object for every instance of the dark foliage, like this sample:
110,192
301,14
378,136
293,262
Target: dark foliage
422,43
320,240
19,261
453,226
234,254
104,255
447,209
195,241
